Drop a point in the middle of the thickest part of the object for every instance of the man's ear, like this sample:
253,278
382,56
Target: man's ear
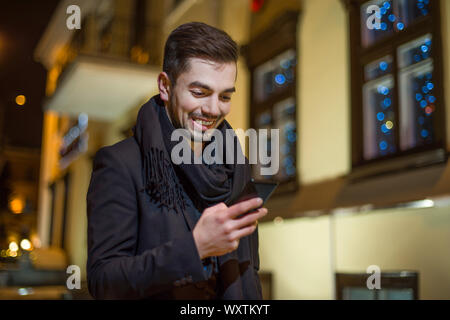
164,86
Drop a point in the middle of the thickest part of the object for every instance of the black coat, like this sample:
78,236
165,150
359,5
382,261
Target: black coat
137,252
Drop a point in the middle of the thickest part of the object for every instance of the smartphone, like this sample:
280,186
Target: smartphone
256,188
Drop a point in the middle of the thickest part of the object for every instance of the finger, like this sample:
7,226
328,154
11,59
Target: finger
219,206
244,206
240,233
249,218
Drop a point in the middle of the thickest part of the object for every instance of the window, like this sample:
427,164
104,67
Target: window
394,285
397,94
271,79
272,60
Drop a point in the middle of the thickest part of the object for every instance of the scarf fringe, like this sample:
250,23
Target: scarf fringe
160,184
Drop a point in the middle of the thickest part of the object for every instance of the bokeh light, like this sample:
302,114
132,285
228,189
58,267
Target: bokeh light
20,100
17,204
25,244
13,246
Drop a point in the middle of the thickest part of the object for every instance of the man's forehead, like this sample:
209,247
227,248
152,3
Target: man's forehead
207,73
208,62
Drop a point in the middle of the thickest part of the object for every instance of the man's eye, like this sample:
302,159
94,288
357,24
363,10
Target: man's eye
197,93
226,98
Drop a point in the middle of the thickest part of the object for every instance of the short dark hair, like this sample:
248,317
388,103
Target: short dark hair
196,40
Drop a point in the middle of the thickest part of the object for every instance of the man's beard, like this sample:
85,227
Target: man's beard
194,135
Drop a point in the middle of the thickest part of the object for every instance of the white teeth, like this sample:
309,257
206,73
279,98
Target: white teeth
205,123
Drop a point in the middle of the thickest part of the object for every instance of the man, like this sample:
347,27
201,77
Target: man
160,230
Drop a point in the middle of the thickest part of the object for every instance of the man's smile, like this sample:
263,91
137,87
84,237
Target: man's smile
203,123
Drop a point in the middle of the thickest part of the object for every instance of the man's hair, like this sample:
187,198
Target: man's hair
196,40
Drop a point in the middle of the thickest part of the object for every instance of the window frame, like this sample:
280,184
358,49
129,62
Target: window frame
389,45
390,280
280,37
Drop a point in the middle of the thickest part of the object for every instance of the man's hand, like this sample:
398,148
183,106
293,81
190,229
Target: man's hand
218,231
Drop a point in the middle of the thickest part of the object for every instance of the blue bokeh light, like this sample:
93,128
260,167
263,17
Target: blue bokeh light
383,145
288,161
431,99
280,79
380,116
383,65
424,133
383,90
423,103
292,136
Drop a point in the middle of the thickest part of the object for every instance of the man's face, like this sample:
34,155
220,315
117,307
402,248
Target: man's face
201,97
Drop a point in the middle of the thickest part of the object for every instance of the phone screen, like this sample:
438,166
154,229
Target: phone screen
254,188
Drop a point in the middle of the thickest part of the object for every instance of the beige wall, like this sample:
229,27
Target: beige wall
297,252
235,20
303,254
414,239
76,232
323,117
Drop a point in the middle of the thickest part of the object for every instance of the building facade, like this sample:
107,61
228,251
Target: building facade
331,222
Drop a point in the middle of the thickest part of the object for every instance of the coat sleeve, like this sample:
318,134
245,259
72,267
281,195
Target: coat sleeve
114,271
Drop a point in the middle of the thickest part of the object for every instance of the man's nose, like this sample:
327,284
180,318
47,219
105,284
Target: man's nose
212,107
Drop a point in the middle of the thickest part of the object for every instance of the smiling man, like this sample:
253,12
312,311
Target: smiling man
202,97
159,230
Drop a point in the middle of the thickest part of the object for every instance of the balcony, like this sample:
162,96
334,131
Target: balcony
102,88
107,66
